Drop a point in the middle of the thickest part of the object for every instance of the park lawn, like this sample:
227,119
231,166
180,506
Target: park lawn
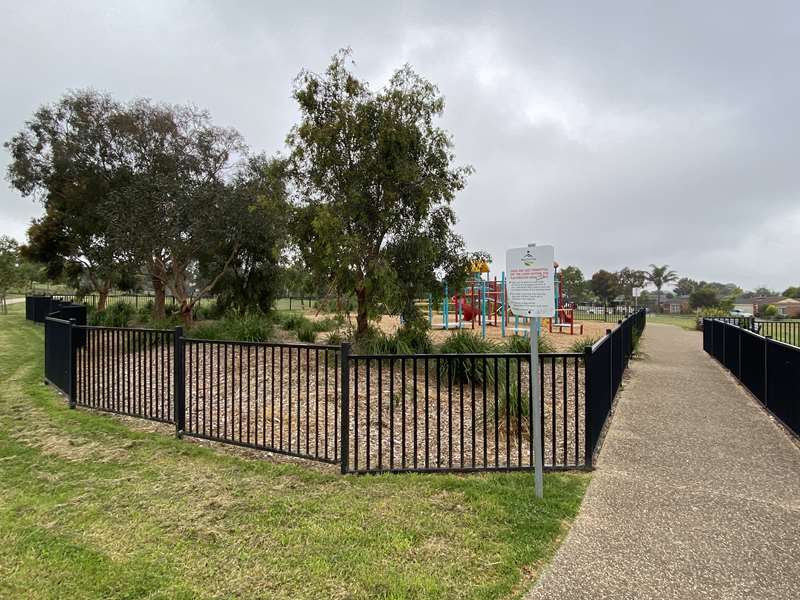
688,322
91,507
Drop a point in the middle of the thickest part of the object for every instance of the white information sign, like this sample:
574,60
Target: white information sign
531,282
636,292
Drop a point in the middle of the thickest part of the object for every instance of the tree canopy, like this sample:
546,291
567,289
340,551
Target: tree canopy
374,181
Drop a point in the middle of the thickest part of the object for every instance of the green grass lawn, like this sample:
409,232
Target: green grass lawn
688,322
93,507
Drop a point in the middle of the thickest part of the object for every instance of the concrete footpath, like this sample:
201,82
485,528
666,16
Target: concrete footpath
696,492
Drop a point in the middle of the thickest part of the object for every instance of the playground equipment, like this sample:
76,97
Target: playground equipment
483,302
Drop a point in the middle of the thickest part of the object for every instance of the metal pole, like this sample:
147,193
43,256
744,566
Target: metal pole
344,437
537,409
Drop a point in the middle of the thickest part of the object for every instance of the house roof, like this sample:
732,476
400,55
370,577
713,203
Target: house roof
788,301
759,300
675,300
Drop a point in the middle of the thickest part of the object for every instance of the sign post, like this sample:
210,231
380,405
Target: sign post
636,292
532,294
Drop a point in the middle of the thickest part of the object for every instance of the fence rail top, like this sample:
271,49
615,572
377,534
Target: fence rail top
268,344
756,334
104,328
466,355
57,320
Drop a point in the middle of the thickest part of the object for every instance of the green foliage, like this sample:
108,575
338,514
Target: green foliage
334,338
248,327
661,276
604,285
792,292
582,343
377,342
703,297
769,311
519,344
574,285
307,333
118,314
209,310
374,220
685,286
467,342
252,280
414,334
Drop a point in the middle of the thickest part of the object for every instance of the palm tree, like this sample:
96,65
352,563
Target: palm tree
659,277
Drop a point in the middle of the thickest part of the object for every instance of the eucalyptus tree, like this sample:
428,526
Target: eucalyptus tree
374,185
179,205
67,157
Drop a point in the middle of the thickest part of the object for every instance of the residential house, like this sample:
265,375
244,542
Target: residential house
788,307
676,305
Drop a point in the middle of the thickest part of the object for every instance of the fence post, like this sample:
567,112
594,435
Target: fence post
587,406
766,363
344,436
179,389
70,365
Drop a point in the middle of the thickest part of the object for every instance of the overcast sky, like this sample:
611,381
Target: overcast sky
623,133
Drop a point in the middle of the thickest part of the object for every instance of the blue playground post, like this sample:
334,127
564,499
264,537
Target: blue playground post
503,315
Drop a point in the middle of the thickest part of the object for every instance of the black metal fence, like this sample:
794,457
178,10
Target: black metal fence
367,413
278,397
606,362
603,312
462,412
770,369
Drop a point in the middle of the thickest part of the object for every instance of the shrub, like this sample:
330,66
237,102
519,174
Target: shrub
415,335
306,333
247,327
326,324
208,310
518,344
581,344
769,311
377,342
334,338
118,314
466,342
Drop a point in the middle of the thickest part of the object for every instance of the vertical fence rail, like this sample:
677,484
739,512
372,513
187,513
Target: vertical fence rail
461,412
125,371
282,398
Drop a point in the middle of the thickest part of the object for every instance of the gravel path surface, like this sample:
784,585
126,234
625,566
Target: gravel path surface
696,494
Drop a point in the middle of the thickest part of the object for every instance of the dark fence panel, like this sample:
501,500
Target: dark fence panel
783,383
731,348
606,362
58,353
752,363
770,369
278,397
462,412
126,371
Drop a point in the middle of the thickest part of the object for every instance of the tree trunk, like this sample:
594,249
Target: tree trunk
186,313
102,298
362,323
159,292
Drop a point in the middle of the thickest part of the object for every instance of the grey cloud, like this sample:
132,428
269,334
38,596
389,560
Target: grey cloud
624,133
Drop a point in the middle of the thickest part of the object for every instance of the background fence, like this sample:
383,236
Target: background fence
367,413
603,312
770,369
